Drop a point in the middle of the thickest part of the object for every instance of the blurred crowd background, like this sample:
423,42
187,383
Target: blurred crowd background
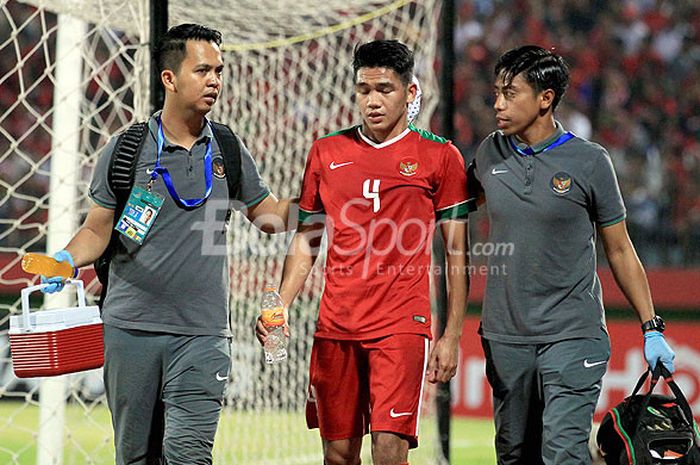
635,89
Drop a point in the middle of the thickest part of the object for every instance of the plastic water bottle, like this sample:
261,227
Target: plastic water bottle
36,263
273,318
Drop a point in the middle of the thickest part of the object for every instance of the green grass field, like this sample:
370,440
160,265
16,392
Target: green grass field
88,438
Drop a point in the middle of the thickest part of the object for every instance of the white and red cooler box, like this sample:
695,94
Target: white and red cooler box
58,341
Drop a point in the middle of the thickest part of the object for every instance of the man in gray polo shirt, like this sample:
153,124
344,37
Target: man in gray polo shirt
543,328
166,309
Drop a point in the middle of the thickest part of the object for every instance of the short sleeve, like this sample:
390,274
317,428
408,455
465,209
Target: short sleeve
450,199
253,189
100,190
607,205
310,202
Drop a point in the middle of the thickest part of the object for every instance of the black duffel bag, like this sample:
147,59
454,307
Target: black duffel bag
650,429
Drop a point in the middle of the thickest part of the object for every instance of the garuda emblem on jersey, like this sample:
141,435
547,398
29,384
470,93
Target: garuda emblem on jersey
408,167
217,167
561,183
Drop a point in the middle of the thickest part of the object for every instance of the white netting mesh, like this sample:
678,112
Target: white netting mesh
287,81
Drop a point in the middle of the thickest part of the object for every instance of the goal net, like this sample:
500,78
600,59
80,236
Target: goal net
73,73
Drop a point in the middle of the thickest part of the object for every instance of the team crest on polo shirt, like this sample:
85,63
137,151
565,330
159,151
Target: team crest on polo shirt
561,183
217,167
408,167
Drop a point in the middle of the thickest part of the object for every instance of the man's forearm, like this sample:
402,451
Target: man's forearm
296,270
632,280
92,238
458,288
456,245
299,263
627,269
86,247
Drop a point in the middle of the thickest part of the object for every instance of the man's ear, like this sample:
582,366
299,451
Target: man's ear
169,80
546,99
411,91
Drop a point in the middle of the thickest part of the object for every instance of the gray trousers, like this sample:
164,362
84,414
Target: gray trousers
544,396
165,393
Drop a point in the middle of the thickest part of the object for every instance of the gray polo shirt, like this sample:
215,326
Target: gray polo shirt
177,281
543,210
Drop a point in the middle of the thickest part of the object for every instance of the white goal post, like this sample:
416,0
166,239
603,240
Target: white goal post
78,71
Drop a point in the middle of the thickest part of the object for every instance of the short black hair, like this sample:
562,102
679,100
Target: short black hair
541,68
385,54
172,47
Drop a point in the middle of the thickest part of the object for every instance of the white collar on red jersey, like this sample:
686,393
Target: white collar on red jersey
386,143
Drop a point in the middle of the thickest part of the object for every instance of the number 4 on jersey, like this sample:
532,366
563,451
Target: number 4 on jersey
373,193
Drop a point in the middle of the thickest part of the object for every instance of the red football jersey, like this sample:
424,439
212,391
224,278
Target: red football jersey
381,203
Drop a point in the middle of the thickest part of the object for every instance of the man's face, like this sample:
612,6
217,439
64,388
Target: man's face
517,105
198,82
383,99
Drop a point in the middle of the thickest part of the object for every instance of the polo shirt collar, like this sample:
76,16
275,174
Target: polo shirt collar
205,134
537,148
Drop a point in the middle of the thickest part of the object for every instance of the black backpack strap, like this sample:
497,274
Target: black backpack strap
231,153
122,167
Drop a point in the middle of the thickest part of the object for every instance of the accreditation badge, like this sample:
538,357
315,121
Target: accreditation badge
140,212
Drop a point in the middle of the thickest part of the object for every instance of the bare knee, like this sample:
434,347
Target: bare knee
342,452
389,449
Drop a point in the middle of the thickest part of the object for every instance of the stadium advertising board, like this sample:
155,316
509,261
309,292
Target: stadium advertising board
471,393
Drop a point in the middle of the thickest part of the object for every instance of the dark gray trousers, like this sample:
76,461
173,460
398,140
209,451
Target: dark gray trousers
165,393
544,396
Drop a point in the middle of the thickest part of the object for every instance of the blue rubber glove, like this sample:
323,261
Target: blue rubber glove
55,283
656,349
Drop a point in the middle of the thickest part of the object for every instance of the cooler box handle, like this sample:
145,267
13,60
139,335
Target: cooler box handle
28,290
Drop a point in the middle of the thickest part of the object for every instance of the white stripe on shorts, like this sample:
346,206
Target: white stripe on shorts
422,384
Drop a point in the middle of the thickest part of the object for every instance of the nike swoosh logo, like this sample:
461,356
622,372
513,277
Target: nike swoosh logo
221,378
495,171
393,414
335,166
587,364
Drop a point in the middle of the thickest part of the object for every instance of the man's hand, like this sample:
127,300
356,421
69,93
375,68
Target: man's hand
56,283
443,360
656,349
261,331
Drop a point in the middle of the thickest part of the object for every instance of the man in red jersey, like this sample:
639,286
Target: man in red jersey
379,189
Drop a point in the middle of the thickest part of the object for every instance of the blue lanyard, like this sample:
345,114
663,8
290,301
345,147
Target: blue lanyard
528,151
159,170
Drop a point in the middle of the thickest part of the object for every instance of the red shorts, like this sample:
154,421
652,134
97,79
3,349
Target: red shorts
358,386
